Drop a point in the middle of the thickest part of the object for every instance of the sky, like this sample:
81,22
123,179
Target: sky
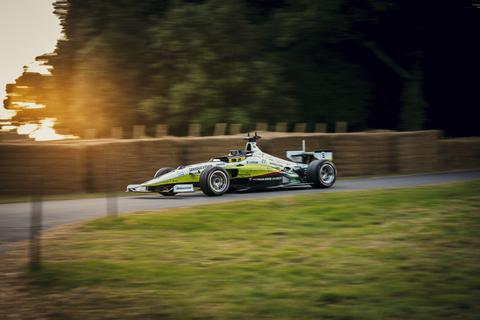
28,28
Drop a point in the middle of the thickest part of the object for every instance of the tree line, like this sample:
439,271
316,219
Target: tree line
176,62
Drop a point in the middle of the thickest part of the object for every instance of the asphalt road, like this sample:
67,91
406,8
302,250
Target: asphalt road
15,217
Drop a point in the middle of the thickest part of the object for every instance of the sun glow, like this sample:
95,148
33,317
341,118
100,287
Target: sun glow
30,105
6,114
27,128
42,132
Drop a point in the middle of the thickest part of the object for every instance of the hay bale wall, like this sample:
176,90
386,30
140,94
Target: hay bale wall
62,166
455,154
83,166
416,151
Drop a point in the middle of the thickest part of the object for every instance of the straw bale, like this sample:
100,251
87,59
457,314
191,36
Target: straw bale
58,164
85,166
350,154
362,154
415,151
137,161
459,154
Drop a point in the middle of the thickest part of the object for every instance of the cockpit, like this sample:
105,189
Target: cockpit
233,157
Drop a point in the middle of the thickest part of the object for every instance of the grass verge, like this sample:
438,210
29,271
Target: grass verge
406,253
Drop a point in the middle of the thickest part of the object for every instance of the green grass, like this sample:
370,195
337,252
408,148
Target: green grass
406,253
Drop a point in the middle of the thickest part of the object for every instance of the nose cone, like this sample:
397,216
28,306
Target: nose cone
159,180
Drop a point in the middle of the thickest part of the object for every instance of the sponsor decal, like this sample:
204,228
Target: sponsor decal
266,179
275,164
200,167
183,188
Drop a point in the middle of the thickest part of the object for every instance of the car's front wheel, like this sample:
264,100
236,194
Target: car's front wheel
161,172
214,181
322,173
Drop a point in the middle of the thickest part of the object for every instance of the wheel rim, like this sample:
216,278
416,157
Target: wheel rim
218,181
327,173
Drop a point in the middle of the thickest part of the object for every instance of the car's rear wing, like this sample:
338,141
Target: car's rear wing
305,157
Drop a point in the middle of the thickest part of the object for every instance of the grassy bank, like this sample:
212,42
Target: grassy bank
409,253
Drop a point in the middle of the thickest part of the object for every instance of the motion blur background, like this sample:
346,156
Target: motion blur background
376,64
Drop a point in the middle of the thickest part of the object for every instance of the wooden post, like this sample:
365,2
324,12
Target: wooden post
111,185
235,128
36,223
138,132
281,127
220,129
161,131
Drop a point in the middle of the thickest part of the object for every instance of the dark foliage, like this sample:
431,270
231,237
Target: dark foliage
377,64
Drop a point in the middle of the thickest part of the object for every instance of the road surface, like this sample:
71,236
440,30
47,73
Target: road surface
15,217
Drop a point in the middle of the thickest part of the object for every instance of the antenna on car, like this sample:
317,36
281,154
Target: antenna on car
252,139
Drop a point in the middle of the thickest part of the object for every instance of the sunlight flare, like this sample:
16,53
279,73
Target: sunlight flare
42,132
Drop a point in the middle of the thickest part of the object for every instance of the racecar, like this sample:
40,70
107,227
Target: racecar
244,170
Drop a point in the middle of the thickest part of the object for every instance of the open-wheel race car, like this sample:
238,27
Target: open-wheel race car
244,170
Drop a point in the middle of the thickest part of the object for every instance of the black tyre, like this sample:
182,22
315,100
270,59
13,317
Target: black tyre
322,173
161,172
214,181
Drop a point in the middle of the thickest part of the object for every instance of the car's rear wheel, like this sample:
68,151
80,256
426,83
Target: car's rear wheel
161,172
214,181
322,173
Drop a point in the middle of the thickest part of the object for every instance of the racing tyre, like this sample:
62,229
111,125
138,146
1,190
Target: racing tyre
161,172
214,181
322,173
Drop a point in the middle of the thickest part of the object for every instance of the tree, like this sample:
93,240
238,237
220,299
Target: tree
127,62
27,96
398,34
209,66
328,81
